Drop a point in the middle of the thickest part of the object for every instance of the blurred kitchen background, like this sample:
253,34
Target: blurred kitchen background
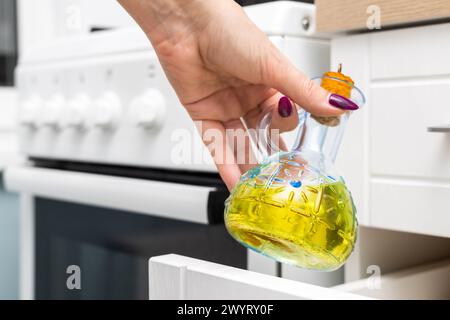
9,202
398,171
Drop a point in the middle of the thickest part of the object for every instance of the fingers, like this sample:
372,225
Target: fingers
284,115
286,78
284,118
240,141
229,104
214,137
227,140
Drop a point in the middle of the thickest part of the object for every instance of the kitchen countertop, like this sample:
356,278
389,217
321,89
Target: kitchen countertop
351,15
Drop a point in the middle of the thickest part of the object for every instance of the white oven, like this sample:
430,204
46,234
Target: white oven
104,186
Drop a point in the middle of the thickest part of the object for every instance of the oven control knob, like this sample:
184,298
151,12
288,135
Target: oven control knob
75,114
52,111
148,110
29,112
106,111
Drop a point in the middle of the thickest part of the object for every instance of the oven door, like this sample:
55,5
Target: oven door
86,235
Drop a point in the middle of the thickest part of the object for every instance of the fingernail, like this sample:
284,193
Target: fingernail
342,102
284,107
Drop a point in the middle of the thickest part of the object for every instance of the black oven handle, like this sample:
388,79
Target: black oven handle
200,204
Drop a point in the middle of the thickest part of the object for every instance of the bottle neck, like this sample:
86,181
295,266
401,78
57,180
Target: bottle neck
322,139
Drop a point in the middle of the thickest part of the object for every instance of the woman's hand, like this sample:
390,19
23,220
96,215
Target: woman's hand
223,68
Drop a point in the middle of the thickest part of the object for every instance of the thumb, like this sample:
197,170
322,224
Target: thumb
287,79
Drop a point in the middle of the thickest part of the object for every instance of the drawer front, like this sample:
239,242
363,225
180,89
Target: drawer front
421,51
420,207
400,142
178,277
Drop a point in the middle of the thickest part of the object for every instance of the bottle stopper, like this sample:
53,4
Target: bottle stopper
338,83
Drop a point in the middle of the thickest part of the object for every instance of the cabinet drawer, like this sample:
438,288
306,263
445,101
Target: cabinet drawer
411,206
421,51
178,277
400,142
405,284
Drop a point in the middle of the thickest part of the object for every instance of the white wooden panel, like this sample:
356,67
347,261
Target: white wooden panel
374,241
400,115
429,281
421,51
411,206
177,277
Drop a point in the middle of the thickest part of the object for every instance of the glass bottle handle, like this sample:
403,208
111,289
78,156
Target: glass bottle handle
267,135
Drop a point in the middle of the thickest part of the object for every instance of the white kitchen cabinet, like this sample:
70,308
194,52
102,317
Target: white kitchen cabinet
414,206
424,282
177,277
410,54
398,171
401,146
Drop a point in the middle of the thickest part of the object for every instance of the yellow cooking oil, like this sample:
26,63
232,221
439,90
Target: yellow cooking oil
310,226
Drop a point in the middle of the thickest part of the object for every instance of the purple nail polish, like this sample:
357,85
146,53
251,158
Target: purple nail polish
284,107
342,102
